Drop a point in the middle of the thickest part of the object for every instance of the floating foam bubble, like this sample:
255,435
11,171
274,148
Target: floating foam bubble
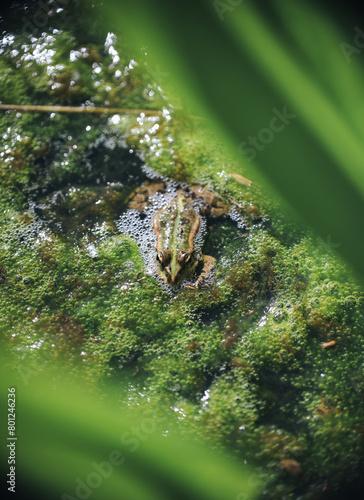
236,217
23,235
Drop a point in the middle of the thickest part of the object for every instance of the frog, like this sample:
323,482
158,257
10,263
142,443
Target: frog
176,225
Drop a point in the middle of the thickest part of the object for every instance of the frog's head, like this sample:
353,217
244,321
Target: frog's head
175,268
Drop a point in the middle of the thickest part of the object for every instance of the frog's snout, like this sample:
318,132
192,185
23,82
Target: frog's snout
172,279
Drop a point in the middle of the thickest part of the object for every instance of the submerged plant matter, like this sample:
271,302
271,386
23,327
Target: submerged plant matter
266,360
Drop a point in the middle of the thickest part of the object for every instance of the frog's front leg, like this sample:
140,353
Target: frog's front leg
138,199
208,265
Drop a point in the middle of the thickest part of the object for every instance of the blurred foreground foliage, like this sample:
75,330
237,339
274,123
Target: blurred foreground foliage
73,443
243,61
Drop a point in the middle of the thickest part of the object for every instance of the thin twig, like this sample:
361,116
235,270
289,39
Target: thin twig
80,109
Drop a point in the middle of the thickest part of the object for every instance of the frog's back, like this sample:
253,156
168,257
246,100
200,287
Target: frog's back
176,224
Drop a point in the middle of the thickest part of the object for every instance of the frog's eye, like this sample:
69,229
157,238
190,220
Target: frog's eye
185,258
160,257
163,257
182,257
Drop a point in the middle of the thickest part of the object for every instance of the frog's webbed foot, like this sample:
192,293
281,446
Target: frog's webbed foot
208,265
138,199
212,205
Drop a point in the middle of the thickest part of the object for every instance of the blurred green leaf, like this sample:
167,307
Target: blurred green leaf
74,444
239,68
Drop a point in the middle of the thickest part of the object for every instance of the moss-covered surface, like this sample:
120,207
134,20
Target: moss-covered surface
268,360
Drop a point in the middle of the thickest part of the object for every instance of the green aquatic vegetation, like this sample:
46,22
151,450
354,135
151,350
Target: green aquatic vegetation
47,272
40,151
229,408
256,333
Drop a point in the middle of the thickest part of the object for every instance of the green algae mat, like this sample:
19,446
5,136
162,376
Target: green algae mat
212,144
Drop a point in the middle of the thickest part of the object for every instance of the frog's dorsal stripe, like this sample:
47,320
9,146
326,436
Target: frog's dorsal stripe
175,233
